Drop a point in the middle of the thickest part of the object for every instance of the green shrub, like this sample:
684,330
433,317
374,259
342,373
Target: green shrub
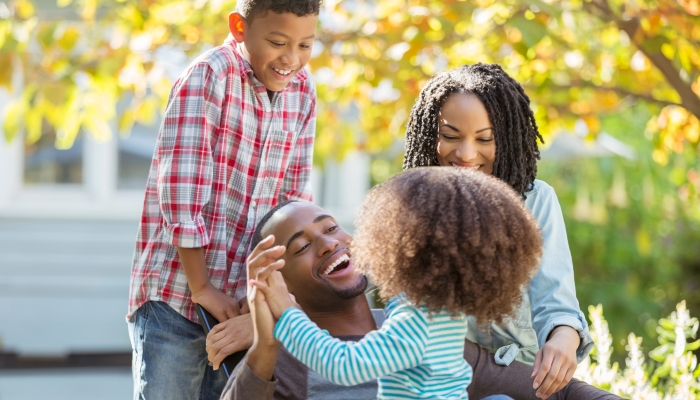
671,373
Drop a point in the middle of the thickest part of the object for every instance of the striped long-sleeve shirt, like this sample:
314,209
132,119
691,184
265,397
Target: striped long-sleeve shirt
414,355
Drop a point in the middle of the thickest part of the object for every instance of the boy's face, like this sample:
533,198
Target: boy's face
277,46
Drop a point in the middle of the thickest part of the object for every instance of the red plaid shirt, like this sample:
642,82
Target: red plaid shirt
226,154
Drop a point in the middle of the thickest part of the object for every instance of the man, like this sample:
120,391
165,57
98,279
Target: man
308,241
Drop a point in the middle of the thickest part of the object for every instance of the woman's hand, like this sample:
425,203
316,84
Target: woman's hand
555,363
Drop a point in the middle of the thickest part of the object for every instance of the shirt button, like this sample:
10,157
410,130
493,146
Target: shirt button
229,292
253,203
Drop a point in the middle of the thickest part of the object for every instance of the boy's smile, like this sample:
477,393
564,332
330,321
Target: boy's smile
277,46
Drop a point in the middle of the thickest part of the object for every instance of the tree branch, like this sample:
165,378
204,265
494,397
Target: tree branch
689,100
621,91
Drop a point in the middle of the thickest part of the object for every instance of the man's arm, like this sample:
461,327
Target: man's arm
253,378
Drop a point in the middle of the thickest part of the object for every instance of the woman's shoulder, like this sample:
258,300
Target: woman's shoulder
541,198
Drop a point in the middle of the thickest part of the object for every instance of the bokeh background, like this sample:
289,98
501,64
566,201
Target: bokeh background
614,84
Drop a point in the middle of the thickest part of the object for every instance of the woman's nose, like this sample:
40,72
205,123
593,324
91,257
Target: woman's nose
466,151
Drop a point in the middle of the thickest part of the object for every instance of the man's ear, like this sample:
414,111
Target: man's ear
236,26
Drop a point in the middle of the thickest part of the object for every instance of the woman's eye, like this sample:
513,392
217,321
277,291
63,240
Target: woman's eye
276,44
485,140
448,137
332,229
305,46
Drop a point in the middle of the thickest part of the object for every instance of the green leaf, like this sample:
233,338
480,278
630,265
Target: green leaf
532,30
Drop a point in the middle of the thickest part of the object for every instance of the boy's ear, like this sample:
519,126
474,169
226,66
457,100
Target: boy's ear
236,26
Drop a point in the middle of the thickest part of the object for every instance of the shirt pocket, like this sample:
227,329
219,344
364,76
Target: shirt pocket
277,151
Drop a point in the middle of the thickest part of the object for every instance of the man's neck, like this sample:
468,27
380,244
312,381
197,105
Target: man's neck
352,317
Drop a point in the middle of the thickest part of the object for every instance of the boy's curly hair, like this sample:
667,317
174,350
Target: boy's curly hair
513,122
449,238
250,9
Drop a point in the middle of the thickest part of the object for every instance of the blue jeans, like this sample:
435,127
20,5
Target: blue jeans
169,356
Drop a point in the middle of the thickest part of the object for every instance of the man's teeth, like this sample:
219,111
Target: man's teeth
474,167
337,262
282,71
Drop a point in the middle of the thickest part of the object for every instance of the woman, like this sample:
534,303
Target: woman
479,117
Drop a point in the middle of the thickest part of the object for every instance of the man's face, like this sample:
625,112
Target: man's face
277,46
318,269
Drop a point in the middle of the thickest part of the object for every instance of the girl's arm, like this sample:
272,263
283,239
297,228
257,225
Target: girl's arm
397,346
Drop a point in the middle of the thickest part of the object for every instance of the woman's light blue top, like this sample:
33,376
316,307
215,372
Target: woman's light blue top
549,301
414,355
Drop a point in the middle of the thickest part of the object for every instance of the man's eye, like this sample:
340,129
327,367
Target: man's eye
303,248
276,44
332,229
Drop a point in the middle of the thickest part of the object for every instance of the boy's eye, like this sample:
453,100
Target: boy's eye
276,44
305,46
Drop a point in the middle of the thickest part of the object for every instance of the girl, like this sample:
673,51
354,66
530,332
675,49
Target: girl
478,117
440,244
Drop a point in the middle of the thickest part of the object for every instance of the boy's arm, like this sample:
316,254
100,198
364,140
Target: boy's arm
296,183
185,178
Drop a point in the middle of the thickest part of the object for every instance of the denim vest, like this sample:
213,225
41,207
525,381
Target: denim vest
550,298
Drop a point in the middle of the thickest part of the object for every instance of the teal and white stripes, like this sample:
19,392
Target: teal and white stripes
413,355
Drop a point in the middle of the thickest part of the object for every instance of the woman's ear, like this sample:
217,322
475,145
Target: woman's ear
236,26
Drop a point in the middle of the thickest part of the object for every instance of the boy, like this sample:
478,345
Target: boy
236,138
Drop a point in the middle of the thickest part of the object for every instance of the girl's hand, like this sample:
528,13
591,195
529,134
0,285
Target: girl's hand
263,259
278,298
555,363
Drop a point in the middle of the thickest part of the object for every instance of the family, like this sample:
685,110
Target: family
472,259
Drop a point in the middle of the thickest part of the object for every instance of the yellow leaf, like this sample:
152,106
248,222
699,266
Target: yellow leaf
643,242
25,9
14,114
32,123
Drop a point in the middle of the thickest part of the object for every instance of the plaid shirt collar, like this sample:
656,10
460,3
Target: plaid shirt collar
246,69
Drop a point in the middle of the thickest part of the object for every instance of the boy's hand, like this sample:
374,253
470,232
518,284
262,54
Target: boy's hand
555,363
278,298
229,337
221,306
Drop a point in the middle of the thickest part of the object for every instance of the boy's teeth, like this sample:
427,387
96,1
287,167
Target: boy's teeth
282,71
337,262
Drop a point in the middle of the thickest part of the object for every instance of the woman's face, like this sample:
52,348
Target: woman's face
465,135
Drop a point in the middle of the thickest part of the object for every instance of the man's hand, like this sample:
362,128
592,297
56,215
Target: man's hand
221,306
229,337
555,363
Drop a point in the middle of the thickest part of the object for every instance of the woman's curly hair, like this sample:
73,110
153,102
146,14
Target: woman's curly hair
508,107
448,238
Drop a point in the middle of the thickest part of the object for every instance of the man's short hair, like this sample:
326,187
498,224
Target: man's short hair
251,9
257,235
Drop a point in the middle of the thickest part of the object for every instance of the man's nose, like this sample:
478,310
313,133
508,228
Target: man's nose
327,245
466,151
